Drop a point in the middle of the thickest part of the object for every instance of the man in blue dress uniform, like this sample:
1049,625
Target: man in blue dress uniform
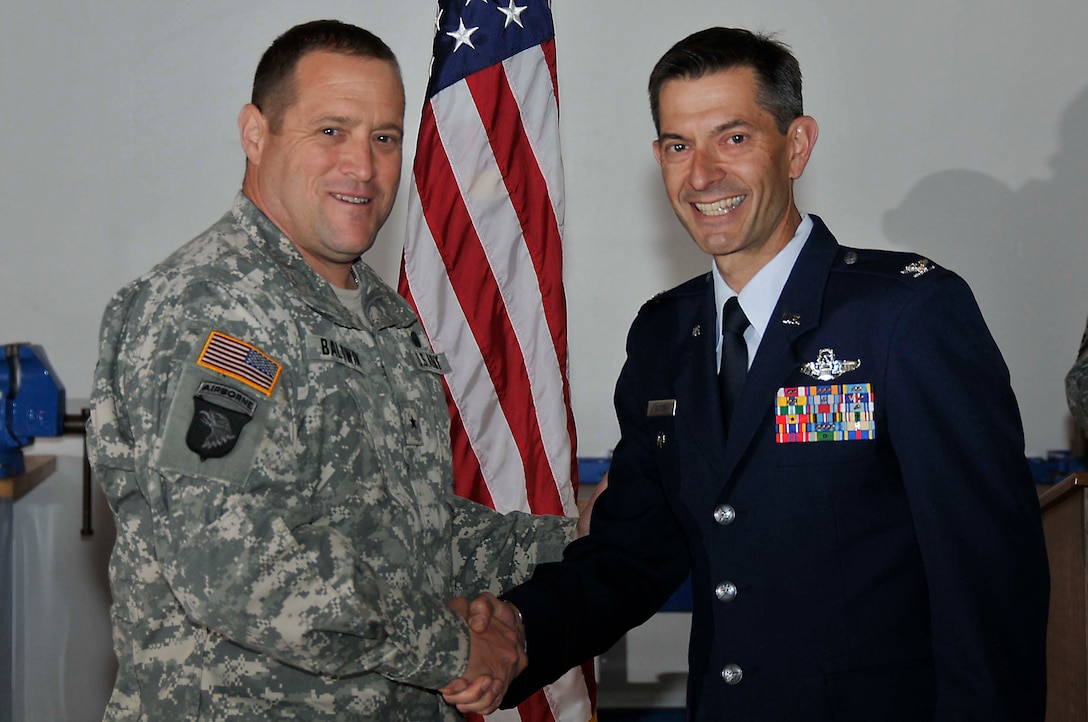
854,508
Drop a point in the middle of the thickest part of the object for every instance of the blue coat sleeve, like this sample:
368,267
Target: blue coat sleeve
956,431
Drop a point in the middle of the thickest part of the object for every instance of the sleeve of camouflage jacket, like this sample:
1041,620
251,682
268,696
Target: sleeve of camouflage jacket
1076,385
236,538
515,544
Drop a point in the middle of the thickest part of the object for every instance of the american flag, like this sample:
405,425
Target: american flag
240,361
483,267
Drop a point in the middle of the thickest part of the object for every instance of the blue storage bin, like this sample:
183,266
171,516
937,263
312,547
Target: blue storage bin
1055,466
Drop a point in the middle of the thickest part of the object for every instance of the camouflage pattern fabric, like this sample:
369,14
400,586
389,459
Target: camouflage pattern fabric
1076,385
279,469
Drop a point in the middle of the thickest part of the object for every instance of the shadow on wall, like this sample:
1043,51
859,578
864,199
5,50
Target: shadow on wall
1024,254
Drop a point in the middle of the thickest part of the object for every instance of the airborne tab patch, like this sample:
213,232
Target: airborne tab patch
219,414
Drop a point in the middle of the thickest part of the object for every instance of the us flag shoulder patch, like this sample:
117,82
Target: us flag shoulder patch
240,361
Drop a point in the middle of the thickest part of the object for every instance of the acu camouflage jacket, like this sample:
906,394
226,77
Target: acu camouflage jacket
279,470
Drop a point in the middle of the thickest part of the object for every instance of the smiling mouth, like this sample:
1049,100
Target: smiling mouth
719,208
354,200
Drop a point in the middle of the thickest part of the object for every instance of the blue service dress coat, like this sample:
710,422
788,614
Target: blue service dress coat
899,573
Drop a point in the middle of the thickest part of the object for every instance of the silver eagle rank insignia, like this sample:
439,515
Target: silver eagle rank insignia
919,268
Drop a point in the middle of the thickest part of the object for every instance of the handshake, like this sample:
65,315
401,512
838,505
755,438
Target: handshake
496,654
497,640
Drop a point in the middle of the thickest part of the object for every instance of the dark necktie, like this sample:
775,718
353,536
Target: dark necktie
734,365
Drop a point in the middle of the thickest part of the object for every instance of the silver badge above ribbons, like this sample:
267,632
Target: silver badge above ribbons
827,368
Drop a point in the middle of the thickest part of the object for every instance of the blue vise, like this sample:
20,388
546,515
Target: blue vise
31,403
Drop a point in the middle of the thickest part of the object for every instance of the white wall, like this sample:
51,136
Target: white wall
63,664
958,130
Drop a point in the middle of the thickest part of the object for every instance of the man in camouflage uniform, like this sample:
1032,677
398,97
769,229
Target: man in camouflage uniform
1076,385
269,425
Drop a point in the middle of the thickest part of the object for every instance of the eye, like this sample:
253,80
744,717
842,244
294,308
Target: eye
331,132
736,139
674,148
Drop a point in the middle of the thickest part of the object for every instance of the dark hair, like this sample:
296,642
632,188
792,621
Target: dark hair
708,51
273,84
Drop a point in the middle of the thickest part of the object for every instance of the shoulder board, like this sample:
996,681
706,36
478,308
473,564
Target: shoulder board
907,265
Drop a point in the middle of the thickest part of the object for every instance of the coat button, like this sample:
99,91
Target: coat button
726,591
732,674
725,514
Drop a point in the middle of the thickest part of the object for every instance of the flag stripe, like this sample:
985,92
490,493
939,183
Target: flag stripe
501,216
477,289
504,306
572,688
473,391
538,97
527,188
469,479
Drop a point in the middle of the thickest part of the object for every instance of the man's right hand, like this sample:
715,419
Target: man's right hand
496,654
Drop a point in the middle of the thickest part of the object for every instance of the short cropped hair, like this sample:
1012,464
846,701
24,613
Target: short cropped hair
274,87
778,73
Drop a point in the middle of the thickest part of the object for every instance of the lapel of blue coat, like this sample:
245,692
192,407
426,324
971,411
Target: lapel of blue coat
797,313
696,384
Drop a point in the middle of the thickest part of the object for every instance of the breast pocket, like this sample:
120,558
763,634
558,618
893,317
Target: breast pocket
825,452
830,423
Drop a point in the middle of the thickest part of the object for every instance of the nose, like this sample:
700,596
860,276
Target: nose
357,160
705,170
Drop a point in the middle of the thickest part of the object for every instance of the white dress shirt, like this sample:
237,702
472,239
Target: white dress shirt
759,297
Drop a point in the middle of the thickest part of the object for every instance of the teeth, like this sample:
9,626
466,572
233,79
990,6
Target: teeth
720,208
351,199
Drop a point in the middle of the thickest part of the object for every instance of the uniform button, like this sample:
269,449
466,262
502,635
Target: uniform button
726,591
732,674
725,514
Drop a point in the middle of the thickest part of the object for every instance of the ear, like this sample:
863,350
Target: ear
802,138
253,129
657,150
